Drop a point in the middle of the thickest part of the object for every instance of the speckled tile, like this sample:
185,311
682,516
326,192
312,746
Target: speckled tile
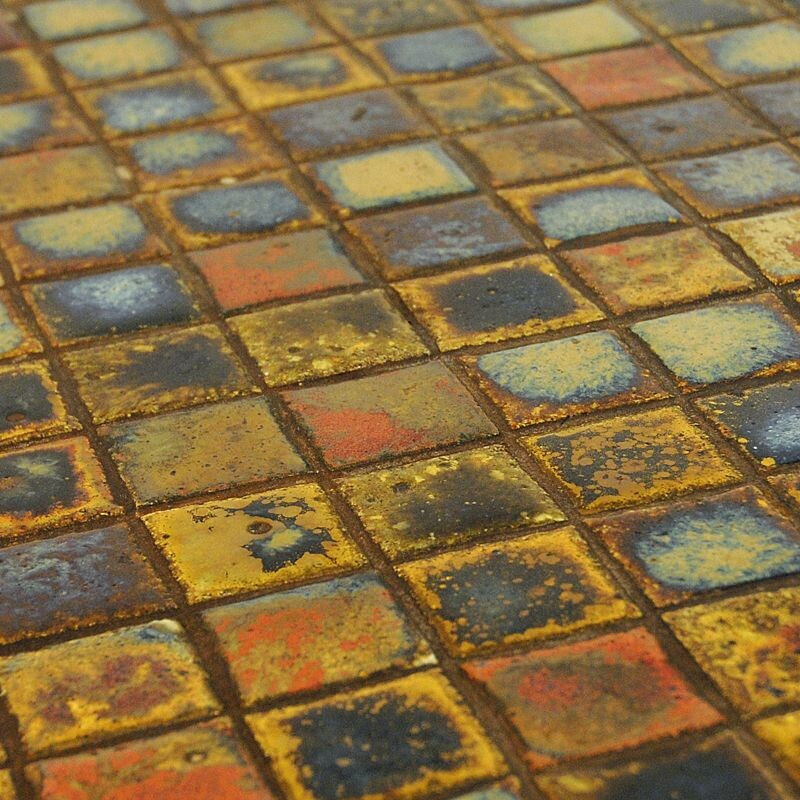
778,102
673,17
22,76
360,18
66,19
781,736
40,124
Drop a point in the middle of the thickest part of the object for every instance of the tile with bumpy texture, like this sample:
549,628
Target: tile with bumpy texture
681,550
632,459
338,747
782,736
261,541
66,19
591,697
201,449
40,124
526,589
778,102
15,338
88,690
315,636
359,18
397,412
672,17
22,76
562,378
447,500
746,645
496,303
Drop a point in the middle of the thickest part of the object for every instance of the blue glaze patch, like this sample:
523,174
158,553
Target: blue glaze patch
305,71
63,19
758,50
23,123
162,155
11,336
779,102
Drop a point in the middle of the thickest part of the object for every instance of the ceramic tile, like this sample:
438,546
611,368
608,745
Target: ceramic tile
778,102
66,19
780,735
672,17
375,17
22,75
40,124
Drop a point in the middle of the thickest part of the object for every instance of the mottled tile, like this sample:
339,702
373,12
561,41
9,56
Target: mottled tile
782,735
315,636
15,338
577,207
402,411
406,241
338,747
88,690
51,484
452,499
40,124
496,303
562,378
276,268
591,697
632,459
375,17
746,645
261,541
22,75
157,372
672,17
65,19
778,102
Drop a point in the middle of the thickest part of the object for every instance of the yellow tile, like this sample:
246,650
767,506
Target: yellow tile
782,735
22,76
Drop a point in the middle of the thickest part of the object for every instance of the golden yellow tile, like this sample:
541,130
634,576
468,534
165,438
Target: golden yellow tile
782,736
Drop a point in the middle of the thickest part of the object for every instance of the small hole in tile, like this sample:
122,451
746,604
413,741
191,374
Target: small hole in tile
259,527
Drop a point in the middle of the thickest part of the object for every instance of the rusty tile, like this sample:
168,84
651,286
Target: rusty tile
654,271
631,459
747,646
65,19
201,449
781,736
324,337
52,484
562,378
778,102
680,550
315,636
201,762
496,303
261,541
788,486
276,268
88,690
375,17
403,411
338,747
592,697
452,499
503,593
40,124
672,17
15,338
22,76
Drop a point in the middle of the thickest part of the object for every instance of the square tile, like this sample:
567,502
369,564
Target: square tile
736,181
631,460
502,97
157,372
88,690
678,551
526,589
65,19
672,17
52,484
201,449
281,80
189,8
15,338
782,737
447,500
317,338
200,762
656,271
562,378
778,102
572,209
261,541
685,127
496,303
403,411
108,303
277,268
746,645
540,151
383,178
22,75
592,697
315,636
75,581
100,236
338,747
40,124
620,77
375,17
410,240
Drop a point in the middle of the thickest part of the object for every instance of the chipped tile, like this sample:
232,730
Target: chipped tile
22,76
781,736
375,17
65,19
40,124
778,102
673,17
15,338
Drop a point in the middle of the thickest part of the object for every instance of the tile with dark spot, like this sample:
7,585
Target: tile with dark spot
591,697
157,372
261,541
631,460
496,303
338,747
447,500
403,242
66,19
15,338
778,102
124,301
526,589
276,268
39,124
397,412
672,17
781,736
22,76
51,484
678,551
315,636
562,378
74,581
375,17
371,118
201,449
